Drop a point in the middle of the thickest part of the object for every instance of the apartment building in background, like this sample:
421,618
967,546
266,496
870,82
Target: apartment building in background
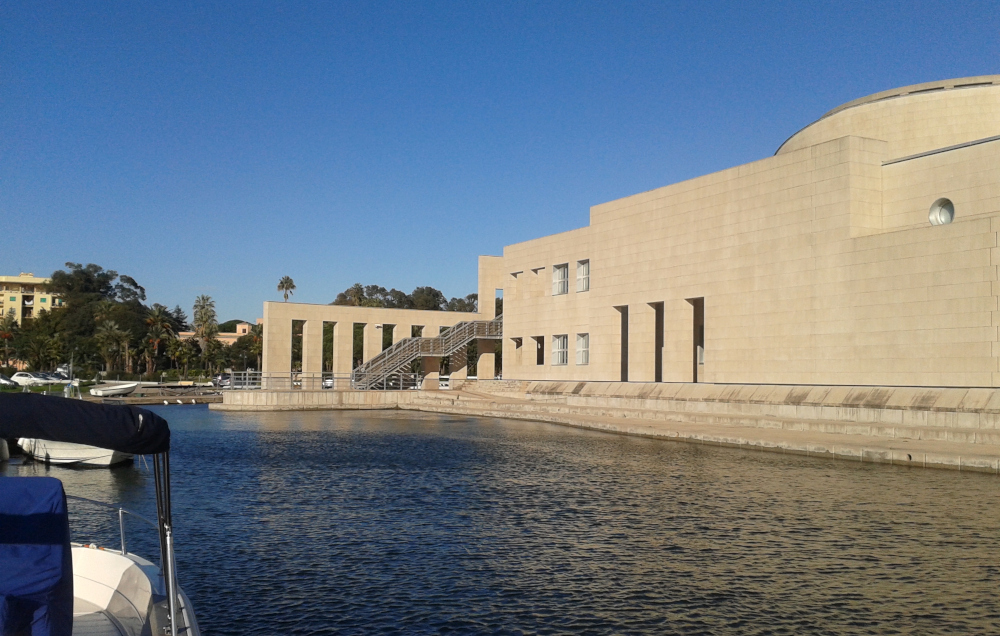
25,295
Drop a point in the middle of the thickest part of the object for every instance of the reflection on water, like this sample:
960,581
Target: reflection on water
302,523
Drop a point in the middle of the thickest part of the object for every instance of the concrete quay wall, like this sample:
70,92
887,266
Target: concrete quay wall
943,428
976,408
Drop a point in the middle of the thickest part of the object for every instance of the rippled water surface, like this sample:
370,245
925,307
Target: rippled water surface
308,523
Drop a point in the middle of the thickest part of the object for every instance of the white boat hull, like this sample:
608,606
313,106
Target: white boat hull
76,454
117,594
113,390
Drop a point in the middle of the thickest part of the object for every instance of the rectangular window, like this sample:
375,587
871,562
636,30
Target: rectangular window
583,276
560,279
582,348
45,300
559,347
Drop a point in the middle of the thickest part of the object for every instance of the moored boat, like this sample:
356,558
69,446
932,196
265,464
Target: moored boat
71,454
110,390
54,587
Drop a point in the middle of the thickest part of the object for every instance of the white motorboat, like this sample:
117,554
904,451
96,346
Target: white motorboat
50,452
110,390
54,587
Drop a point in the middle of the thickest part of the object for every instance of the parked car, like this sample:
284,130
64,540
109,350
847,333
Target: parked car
24,378
5,381
327,383
222,380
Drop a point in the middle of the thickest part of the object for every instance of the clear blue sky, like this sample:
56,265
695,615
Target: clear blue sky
211,148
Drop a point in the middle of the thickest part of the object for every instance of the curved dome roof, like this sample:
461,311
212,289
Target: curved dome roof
913,119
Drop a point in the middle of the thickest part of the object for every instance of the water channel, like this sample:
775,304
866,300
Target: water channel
404,523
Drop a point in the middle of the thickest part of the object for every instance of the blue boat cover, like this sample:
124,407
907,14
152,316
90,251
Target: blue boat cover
36,563
127,429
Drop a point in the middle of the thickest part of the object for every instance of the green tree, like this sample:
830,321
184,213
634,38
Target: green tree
8,332
257,348
110,339
287,286
206,325
186,353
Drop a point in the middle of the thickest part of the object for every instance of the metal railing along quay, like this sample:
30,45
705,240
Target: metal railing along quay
312,381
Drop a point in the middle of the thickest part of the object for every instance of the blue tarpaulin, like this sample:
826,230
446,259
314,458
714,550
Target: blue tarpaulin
36,563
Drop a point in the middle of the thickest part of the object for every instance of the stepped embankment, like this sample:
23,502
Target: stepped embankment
956,428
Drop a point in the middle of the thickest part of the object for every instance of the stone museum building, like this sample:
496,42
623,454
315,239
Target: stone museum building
864,252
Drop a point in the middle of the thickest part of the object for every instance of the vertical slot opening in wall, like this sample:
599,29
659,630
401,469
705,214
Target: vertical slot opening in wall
657,341
387,331
357,345
698,336
328,345
297,328
539,350
498,303
416,331
623,313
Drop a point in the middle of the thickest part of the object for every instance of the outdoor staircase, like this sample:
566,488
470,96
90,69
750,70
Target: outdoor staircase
377,373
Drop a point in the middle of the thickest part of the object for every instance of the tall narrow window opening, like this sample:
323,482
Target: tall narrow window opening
657,341
328,328
298,326
357,345
560,279
623,315
539,349
583,276
560,345
698,336
582,349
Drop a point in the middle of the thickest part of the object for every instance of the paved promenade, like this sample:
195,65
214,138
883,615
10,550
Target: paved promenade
934,428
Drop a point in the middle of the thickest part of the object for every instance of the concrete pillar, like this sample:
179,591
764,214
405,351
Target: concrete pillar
373,341
431,368
486,360
312,354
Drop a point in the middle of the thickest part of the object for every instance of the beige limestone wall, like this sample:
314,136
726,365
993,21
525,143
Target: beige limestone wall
278,317
805,273
915,122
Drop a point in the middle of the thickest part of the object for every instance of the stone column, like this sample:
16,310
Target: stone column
312,354
487,359
373,341
431,368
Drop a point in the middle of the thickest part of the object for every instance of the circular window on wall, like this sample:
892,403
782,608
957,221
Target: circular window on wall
942,212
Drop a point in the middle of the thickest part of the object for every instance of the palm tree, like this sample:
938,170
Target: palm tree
110,339
174,350
257,348
206,325
159,317
102,310
155,334
160,328
40,349
286,285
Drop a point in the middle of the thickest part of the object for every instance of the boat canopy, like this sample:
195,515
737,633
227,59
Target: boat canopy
36,562
127,429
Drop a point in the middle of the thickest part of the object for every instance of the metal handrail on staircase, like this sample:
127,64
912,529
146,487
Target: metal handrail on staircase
372,373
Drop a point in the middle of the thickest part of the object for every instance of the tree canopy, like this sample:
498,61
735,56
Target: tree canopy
359,295
104,325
